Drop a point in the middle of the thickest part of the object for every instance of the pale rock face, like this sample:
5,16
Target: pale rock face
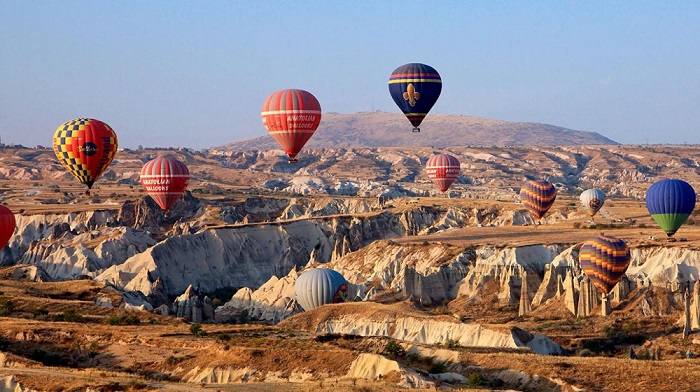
374,366
71,245
432,332
248,256
554,273
218,258
273,301
9,384
193,306
663,265
503,266
407,269
33,273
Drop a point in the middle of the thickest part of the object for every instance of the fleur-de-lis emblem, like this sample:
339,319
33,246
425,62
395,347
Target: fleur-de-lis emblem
411,95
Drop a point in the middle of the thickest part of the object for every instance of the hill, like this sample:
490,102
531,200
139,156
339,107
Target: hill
381,129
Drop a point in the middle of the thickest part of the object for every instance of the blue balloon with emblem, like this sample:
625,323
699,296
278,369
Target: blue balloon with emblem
415,88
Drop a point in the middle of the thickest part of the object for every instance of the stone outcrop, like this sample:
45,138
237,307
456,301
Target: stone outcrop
10,384
438,332
273,301
193,306
375,367
524,307
588,298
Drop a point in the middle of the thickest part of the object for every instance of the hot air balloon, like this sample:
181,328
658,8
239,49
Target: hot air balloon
165,179
85,147
592,200
604,260
538,196
291,117
320,286
443,170
7,225
670,202
415,88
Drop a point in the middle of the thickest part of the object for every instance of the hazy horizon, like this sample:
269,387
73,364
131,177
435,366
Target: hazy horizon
195,74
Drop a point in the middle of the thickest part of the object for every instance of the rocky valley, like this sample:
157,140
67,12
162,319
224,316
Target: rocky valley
465,290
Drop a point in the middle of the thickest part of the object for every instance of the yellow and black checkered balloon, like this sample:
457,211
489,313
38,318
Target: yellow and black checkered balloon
86,147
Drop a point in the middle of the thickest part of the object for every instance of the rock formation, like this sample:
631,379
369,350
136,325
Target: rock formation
588,298
524,308
193,306
571,294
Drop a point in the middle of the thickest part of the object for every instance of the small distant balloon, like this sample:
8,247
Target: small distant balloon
592,201
320,286
415,88
670,202
7,225
165,180
291,117
443,170
604,260
537,197
85,147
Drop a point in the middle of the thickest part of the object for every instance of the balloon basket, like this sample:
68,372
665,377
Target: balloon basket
293,160
416,129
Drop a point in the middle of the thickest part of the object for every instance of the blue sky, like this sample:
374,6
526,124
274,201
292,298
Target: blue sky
195,73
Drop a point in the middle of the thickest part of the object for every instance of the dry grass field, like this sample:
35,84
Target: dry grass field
56,339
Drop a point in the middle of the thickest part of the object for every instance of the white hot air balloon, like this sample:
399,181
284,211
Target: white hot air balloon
320,286
592,200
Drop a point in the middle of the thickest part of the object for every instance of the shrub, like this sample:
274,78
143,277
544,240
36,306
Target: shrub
437,367
125,319
196,330
7,306
71,315
224,337
395,349
40,312
475,380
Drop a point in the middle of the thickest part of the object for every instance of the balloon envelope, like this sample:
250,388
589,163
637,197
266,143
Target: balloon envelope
443,170
604,260
592,200
164,179
7,225
670,203
320,286
85,147
415,88
291,117
538,196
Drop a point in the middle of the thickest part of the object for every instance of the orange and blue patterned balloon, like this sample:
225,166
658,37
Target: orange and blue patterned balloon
85,147
538,196
592,200
604,260
670,203
415,88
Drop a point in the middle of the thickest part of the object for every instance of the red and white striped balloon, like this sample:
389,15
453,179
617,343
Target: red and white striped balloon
291,117
165,179
443,170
